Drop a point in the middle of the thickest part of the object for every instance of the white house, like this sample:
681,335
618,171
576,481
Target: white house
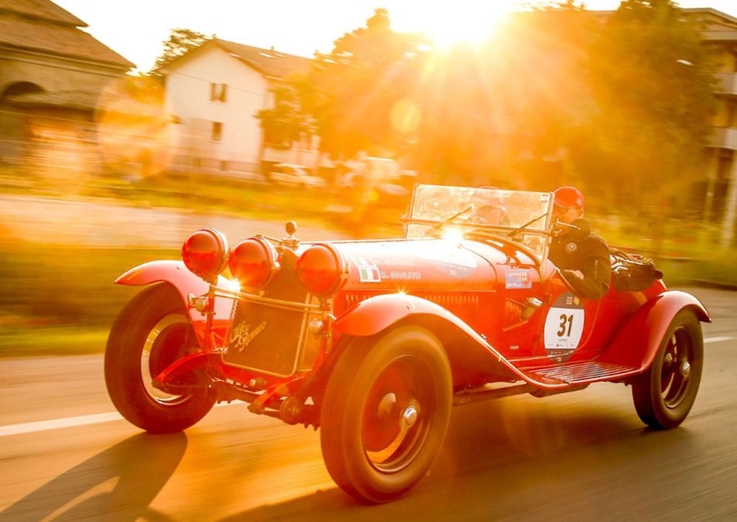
214,93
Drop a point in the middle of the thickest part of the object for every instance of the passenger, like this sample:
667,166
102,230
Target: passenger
582,256
488,210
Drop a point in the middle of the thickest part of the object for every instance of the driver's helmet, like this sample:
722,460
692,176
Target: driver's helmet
568,197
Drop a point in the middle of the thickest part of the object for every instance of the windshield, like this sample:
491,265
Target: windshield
521,215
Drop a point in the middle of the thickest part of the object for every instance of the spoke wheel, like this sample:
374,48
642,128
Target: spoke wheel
664,394
385,414
164,344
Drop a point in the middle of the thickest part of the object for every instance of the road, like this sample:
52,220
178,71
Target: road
65,454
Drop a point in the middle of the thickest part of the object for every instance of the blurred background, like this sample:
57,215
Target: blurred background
104,166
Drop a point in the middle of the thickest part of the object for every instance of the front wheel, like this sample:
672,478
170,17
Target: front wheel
151,332
385,413
664,394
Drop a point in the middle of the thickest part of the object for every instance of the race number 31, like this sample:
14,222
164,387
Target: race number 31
564,323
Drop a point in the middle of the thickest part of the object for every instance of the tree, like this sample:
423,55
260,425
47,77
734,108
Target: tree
290,119
654,89
499,112
358,87
180,42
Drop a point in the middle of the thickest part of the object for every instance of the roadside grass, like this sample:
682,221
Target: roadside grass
51,340
62,300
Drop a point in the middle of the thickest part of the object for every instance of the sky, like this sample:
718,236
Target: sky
136,29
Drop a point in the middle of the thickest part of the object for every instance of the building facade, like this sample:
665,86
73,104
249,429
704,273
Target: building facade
720,204
213,94
52,78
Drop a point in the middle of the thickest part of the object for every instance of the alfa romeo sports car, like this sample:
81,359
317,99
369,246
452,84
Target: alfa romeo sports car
374,341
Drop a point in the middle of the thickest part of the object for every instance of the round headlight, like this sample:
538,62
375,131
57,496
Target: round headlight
205,253
253,262
322,270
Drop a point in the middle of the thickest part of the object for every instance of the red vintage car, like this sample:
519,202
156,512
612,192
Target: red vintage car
374,341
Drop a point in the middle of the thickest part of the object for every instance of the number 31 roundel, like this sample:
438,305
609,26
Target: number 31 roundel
564,326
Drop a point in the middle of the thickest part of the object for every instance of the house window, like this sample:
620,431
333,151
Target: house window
218,92
217,131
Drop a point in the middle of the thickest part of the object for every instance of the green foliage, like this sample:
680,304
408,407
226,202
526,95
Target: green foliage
628,97
180,42
654,92
360,85
65,286
51,340
497,113
289,120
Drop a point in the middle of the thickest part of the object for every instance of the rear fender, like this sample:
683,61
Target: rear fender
376,314
639,339
185,282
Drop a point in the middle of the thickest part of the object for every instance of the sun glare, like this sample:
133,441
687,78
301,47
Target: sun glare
459,22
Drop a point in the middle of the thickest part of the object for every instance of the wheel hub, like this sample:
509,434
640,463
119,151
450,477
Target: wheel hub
685,369
409,417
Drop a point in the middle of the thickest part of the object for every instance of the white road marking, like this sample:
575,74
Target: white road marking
718,339
71,422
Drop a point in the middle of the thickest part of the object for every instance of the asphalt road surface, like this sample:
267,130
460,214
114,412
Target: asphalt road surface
65,454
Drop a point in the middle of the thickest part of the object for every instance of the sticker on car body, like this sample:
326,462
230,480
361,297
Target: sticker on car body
368,271
518,279
564,326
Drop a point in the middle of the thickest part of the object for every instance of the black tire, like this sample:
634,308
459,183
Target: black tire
385,413
664,394
151,332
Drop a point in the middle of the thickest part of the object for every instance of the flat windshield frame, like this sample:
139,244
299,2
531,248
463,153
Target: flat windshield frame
524,216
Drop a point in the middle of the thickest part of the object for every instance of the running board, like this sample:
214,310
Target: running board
585,372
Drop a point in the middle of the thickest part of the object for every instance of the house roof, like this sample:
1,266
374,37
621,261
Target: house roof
40,10
269,62
727,21
42,26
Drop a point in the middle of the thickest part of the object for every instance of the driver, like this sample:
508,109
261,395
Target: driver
581,256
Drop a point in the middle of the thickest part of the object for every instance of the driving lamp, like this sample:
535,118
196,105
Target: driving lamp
322,270
253,263
205,253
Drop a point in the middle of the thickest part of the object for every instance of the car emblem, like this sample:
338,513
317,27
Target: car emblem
571,247
242,337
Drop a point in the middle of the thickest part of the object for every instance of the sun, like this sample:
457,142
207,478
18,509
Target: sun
452,23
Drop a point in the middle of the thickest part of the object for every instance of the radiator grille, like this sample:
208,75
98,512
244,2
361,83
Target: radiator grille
268,339
450,301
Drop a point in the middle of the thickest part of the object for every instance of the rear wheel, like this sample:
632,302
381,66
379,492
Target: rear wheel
152,332
664,395
385,413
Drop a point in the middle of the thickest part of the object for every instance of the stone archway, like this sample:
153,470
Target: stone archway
19,88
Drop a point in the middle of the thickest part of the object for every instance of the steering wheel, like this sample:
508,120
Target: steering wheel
507,245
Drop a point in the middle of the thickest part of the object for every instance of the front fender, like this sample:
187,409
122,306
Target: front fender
179,276
375,314
638,341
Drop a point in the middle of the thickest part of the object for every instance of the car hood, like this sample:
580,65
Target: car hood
418,264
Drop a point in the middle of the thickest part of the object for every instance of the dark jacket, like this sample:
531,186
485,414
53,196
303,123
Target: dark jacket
590,256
